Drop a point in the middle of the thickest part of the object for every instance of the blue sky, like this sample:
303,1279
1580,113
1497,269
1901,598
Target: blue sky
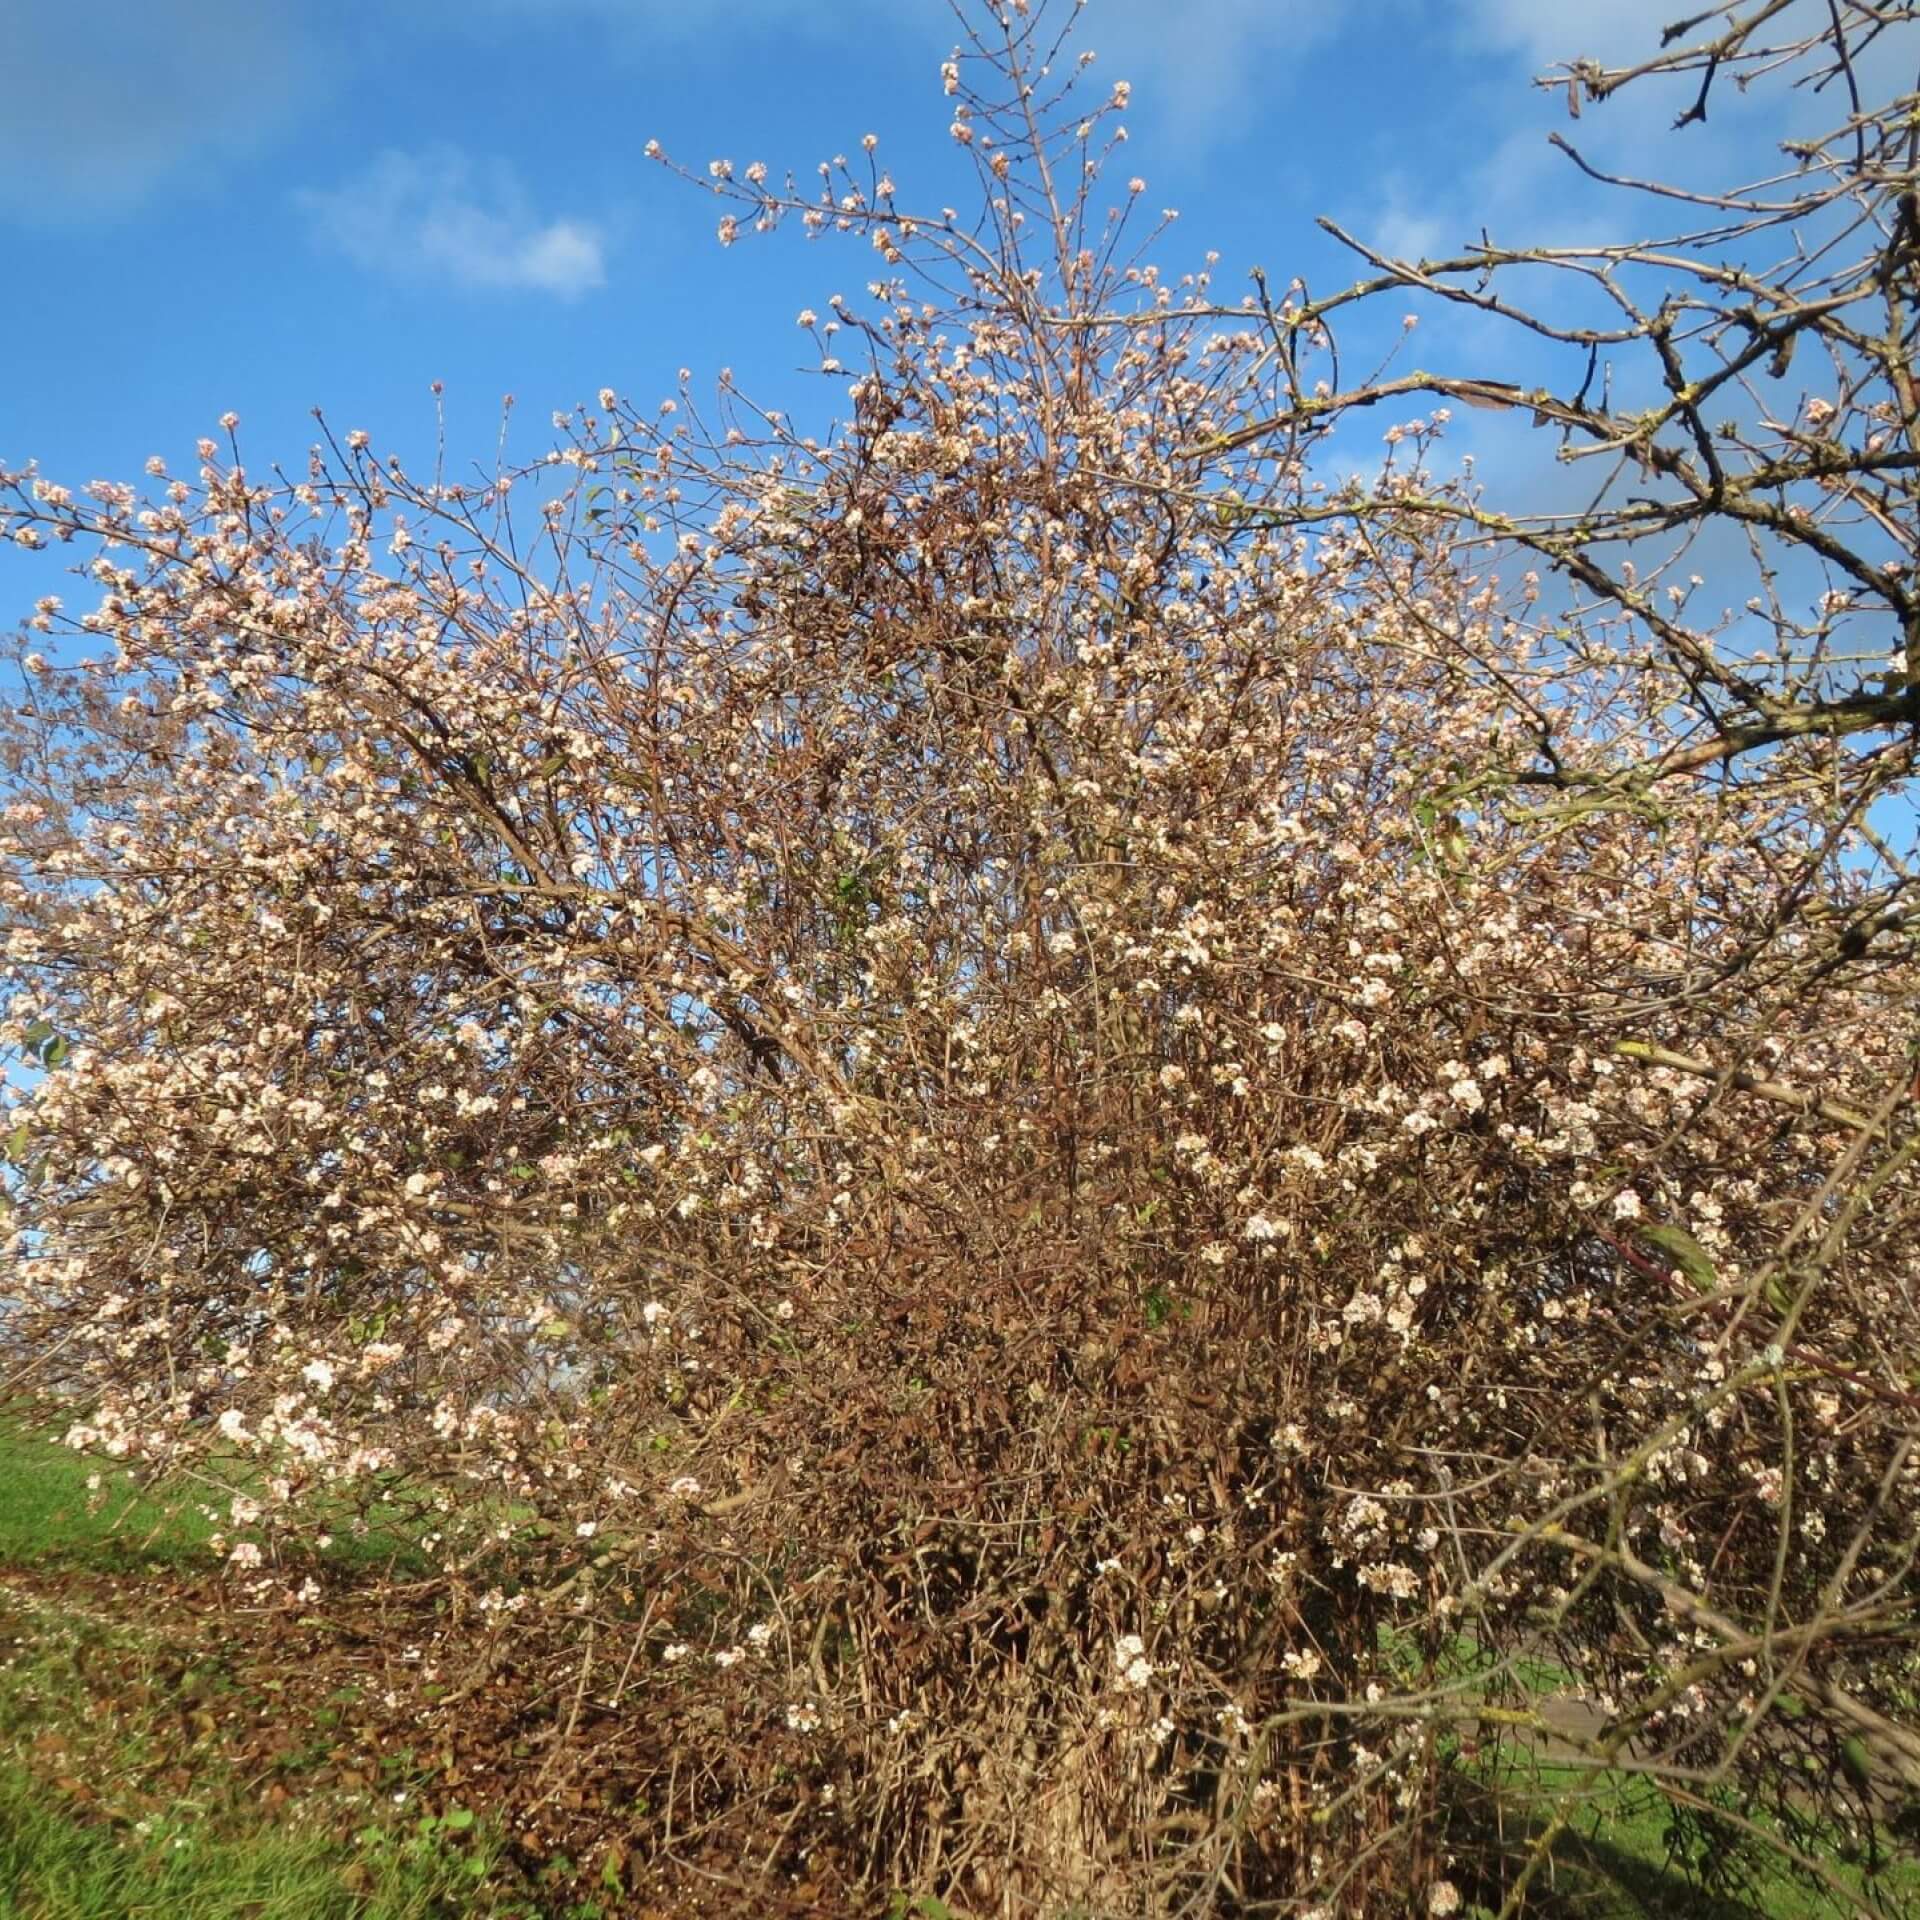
220,204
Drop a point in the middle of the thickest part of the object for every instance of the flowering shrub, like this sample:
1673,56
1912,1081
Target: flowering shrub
936,1091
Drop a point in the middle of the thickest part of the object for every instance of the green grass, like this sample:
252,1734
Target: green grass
55,1867
116,1806
1625,1854
136,1791
49,1516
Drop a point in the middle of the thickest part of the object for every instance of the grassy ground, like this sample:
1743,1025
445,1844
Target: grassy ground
160,1773
1625,1855
59,1867
181,1753
48,1516
151,1780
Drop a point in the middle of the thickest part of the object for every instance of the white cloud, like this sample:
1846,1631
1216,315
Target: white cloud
1202,65
439,215
105,104
1407,225
1509,181
1199,68
1614,31
1625,32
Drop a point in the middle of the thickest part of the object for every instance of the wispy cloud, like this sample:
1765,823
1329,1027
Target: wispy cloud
439,215
1508,182
1606,30
1199,68
104,105
1742,125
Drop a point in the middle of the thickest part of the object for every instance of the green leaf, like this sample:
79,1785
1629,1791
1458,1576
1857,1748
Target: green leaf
17,1142
1686,1253
457,1819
